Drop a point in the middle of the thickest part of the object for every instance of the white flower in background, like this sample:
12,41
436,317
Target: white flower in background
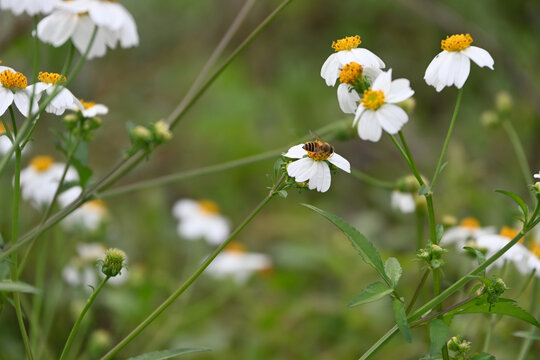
89,216
534,259
452,65
64,99
403,201
235,262
537,176
354,79
40,180
31,7
14,88
347,51
468,230
5,142
313,165
90,109
76,20
377,109
201,220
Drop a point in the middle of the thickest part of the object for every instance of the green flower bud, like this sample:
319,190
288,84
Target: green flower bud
503,102
114,262
161,131
141,134
408,105
100,340
489,119
449,220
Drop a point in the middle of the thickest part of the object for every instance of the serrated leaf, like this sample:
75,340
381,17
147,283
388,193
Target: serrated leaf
373,292
424,189
393,270
18,286
367,250
502,307
518,200
527,335
438,334
401,319
483,356
167,354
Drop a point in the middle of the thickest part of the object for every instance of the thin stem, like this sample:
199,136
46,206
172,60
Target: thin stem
81,317
371,180
519,150
192,278
6,129
379,344
447,140
417,291
427,318
445,354
420,219
526,346
37,301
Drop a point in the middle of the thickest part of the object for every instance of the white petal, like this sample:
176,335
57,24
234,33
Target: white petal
57,28
400,90
462,69
330,70
383,81
22,101
61,102
404,202
107,14
217,230
82,35
371,73
369,127
432,72
367,59
359,111
301,170
391,117
6,99
340,162
480,56
321,177
347,98
296,152
447,70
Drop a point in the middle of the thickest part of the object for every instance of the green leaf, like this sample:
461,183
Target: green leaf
483,356
167,354
80,162
439,232
424,189
393,270
401,319
373,292
527,335
367,250
283,193
17,286
480,256
438,334
503,307
518,200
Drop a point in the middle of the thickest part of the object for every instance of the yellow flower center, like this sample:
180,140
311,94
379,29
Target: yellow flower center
2,129
236,247
87,104
11,79
42,163
470,223
535,249
208,207
350,73
456,42
347,43
51,78
508,232
96,205
373,99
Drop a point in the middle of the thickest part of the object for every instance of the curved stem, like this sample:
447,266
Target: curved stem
417,291
89,303
371,180
520,152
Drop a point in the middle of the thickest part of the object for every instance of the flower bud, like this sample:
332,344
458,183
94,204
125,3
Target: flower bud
489,119
458,345
100,340
449,221
114,262
408,105
161,131
141,134
503,102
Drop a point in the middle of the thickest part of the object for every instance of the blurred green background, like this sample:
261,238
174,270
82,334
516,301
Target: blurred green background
269,97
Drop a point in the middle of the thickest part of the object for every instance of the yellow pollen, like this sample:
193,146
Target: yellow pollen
508,232
42,163
373,99
456,42
350,73
236,247
347,43
51,78
11,79
96,205
208,207
469,223
87,104
535,249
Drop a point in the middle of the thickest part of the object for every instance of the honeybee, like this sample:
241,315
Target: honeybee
318,148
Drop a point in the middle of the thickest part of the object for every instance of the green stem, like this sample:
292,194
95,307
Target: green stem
192,278
81,316
445,354
371,180
519,150
420,218
37,301
417,291
380,343
447,140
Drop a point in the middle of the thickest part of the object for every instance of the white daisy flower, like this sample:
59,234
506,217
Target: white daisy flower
403,201
89,216
377,109
452,65
347,51
201,220
90,109
40,180
354,79
537,176
235,262
14,88
31,7
64,99
313,166
76,20
467,231
5,142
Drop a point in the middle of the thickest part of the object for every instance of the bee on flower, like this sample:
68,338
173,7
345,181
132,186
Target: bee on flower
312,164
201,220
452,65
14,88
90,216
31,7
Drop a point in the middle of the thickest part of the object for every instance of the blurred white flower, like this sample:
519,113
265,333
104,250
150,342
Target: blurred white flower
452,65
467,231
354,79
31,7
201,220
236,263
76,20
14,88
40,180
64,99
403,201
537,176
90,109
378,110
347,51
89,216
313,165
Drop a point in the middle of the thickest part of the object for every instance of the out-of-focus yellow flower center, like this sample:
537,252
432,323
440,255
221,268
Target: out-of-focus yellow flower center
373,99
2,129
456,42
51,78
87,104
347,43
96,205
469,223
236,247
535,249
208,207
508,232
11,79
350,73
42,163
